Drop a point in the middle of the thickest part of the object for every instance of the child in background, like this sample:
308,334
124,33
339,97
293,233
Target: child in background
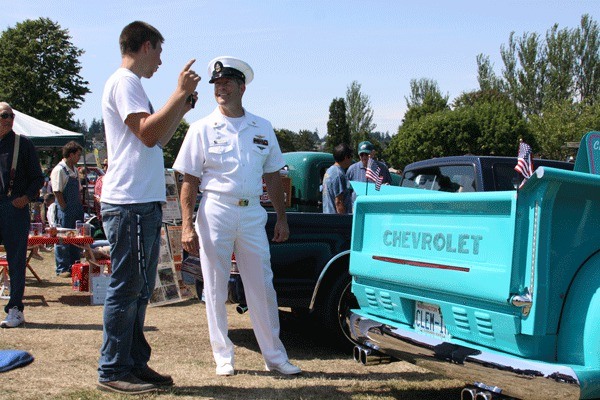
36,216
49,216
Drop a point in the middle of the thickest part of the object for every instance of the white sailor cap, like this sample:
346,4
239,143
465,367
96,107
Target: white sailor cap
229,67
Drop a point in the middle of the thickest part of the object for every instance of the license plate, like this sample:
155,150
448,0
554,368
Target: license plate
429,320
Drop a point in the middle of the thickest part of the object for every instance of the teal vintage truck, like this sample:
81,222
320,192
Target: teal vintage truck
498,289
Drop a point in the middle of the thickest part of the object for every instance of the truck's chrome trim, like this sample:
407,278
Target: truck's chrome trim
420,264
514,376
322,276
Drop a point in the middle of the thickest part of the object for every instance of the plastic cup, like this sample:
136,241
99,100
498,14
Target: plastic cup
83,229
35,229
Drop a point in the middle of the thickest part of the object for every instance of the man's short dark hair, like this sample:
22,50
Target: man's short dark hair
134,35
341,152
71,148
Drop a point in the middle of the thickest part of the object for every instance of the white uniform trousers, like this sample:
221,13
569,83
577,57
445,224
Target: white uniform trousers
225,228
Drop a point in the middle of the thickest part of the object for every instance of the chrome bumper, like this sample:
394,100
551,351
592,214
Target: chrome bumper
507,375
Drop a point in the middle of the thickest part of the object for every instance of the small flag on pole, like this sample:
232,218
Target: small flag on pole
374,175
524,164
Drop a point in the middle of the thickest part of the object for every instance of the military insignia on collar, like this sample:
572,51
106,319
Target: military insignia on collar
218,66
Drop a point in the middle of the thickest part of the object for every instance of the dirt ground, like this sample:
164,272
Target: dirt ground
64,333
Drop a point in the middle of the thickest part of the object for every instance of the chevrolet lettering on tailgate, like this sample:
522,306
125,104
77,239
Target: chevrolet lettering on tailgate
463,243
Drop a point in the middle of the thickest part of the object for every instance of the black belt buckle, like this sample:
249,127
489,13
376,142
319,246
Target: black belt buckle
243,202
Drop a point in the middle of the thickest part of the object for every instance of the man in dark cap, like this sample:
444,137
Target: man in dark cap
229,153
20,181
358,170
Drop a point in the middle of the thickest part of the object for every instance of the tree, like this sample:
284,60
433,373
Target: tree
171,150
285,138
482,122
359,114
337,126
563,122
587,60
305,141
486,77
563,67
425,98
40,71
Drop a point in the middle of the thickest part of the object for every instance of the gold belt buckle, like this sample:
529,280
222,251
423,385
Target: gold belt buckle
243,202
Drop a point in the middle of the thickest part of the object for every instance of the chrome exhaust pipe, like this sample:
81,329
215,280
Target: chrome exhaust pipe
356,353
475,394
241,308
367,356
483,396
468,394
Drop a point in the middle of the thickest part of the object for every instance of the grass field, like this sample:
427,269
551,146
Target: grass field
64,333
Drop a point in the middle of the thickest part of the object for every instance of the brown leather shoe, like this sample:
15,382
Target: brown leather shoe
64,274
151,376
129,384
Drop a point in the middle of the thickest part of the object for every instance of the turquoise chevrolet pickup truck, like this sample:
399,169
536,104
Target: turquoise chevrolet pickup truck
499,289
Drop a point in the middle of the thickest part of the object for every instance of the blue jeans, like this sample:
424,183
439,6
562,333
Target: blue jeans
133,231
14,229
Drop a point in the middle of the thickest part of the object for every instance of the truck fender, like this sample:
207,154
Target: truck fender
345,253
578,332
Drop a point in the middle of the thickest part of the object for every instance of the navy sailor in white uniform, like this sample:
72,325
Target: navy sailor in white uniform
228,153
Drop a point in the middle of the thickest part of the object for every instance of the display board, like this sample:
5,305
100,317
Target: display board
171,209
174,235
166,289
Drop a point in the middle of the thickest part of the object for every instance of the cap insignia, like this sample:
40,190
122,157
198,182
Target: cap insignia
218,66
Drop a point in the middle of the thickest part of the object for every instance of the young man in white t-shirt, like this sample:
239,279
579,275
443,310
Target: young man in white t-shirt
132,193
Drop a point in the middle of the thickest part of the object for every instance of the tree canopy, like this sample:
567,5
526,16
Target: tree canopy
359,114
338,130
40,71
171,150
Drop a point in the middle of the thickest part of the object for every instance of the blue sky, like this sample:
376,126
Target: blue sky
304,53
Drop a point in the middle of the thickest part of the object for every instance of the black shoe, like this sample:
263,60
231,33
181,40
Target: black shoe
129,384
151,376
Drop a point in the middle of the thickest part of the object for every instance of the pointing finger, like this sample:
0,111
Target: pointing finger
189,64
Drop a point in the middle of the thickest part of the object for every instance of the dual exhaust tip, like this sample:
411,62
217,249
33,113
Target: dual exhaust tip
477,394
367,356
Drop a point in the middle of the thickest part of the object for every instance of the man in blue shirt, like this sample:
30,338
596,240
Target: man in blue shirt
358,170
337,197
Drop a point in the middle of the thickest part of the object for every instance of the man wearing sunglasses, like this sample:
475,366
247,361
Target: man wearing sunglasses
20,183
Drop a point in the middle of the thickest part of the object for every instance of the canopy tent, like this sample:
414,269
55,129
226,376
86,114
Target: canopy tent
43,134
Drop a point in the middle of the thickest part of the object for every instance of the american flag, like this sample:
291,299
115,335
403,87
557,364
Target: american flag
524,164
374,175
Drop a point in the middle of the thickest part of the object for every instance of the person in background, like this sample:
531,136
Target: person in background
69,209
48,217
133,191
231,151
20,181
50,204
98,190
358,170
337,197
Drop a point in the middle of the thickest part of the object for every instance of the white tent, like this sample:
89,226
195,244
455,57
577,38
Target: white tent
43,134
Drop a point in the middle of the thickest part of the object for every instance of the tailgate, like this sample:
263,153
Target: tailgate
458,244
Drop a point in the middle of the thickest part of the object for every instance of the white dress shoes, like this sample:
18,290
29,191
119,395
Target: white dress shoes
286,368
225,370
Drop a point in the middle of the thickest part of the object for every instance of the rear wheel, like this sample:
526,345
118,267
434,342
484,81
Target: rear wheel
334,309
